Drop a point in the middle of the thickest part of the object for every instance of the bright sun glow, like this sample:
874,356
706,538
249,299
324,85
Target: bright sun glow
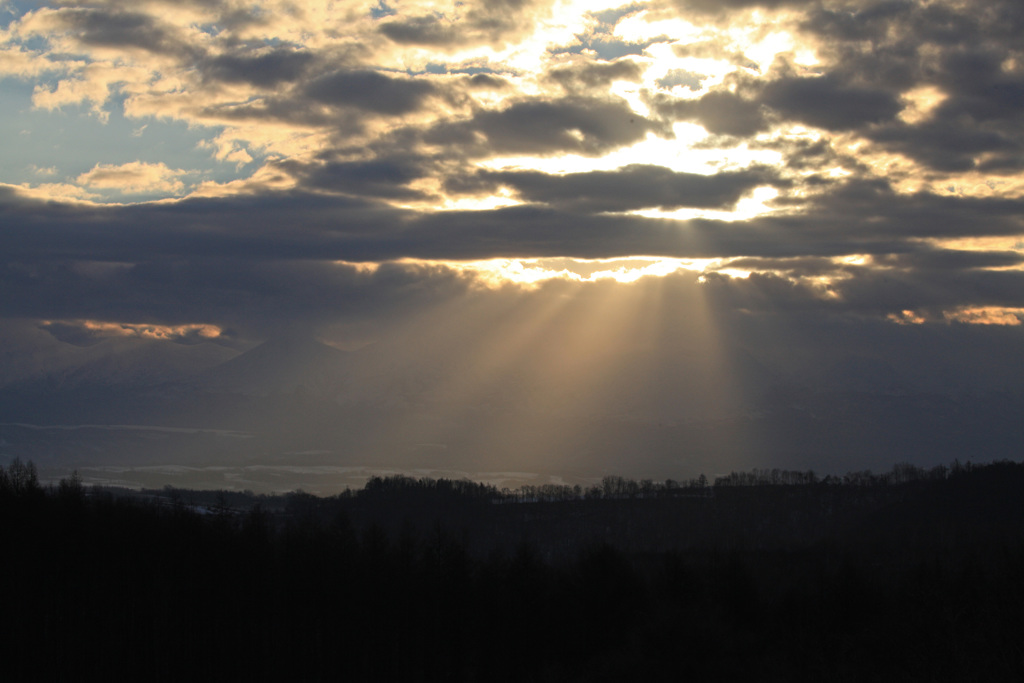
756,204
533,271
677,154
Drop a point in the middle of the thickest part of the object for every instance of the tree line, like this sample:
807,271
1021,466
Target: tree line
907,577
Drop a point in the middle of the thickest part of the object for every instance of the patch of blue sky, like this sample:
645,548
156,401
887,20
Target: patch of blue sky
12,10
606,47
381,10
209,29
611,17
56,146
602,40
38,43
681,77
442,69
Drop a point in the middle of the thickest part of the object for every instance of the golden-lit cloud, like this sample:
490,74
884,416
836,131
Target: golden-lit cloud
134,177
53,191
521,140
22,63
532,272
97,329
987,316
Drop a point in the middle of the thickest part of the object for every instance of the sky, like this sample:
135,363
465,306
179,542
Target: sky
828,192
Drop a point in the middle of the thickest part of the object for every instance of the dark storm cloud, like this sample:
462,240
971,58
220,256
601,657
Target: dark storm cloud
827,102
122,29
381,177
590,76
762,293
589,126
946,145
370,91
887,48
485,21
315,226
856,217
723,6
870,292
921,279
423,30
1001,163
872,55
269,226
260,68
254,298
873,208
980,114
798,266
229,14
719,112
633,187
872,21
890,291
941,24
344,100
808,155
487,82
915,257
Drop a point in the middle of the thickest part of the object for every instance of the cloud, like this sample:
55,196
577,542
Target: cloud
827,102
259,66
89,86
353,134
971,60
111,29
64,192
121,29
720,112
421,30
487,22
945,260
191,297
380,177
854,217
43,170
91,332
589,76
22,63
370,91
583,125
134,177
632,187
722,6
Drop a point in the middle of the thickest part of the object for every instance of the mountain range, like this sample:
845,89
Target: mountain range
405,405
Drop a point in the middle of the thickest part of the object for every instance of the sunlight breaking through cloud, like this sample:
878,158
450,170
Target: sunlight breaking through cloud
543,229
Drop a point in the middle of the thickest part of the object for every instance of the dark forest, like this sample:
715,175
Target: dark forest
911,575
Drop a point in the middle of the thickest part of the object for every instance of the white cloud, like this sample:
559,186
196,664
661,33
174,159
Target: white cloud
22,63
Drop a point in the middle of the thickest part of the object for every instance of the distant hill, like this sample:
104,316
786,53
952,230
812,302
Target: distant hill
432,399
282,365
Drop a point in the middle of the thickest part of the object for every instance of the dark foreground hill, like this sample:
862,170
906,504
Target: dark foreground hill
910,576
